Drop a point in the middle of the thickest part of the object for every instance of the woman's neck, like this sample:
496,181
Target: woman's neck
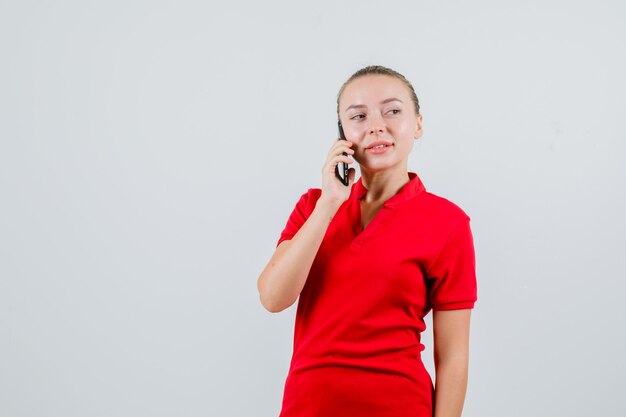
383,185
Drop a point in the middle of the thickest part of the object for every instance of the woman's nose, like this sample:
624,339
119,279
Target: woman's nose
377,125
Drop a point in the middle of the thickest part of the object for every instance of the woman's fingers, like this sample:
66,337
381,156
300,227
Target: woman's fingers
333,161
332,186
341,158
341,146
335,154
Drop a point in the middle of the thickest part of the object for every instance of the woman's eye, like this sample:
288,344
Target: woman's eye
395,111
357,116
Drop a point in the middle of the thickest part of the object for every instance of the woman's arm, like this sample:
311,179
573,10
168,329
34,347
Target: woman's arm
451,355
283,278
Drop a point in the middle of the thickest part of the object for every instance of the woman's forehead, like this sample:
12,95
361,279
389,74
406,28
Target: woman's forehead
372,90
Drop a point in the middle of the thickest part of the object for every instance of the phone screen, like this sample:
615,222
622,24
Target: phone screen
342,170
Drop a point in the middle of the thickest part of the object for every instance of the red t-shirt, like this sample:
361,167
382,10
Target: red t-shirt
356,349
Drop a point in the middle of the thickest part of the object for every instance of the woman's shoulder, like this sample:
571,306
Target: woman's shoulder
312,194
444,208
308,199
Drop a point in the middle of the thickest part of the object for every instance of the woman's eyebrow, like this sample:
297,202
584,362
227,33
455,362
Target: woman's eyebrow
385,101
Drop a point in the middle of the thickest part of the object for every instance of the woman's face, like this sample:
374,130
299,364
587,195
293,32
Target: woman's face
374,110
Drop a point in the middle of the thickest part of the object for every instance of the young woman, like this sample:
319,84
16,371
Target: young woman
368,262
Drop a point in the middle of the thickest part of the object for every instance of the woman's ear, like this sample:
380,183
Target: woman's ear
418,127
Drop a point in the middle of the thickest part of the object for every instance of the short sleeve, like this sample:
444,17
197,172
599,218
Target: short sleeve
301,212
452,276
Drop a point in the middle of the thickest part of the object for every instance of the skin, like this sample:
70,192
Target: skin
368,115
372,108
451,354
383,175
367,118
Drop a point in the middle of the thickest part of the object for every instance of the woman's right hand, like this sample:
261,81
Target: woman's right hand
333,190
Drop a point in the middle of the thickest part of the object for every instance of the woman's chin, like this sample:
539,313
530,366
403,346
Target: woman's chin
376,167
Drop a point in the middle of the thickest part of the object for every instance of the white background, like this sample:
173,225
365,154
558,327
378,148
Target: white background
151,152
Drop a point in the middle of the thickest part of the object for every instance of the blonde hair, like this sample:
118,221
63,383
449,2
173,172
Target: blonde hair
380,70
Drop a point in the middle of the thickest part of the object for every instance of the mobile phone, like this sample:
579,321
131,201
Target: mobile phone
342,170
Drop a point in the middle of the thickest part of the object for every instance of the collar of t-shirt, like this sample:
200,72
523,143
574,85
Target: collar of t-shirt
410,190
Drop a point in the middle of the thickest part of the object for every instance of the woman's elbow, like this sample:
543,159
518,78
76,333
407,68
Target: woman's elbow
273,307
268,302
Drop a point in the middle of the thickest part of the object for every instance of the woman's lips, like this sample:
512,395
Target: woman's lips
378,149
